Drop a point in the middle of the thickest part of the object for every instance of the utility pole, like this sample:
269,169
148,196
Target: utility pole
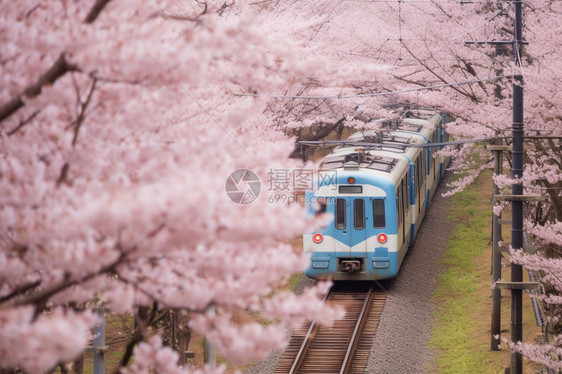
497,149
517,190
209,352
496,254
516,198
99,346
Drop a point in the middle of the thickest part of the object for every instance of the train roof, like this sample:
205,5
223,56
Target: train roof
389,151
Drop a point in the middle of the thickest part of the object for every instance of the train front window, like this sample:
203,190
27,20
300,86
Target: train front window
379,220
359,214
340,214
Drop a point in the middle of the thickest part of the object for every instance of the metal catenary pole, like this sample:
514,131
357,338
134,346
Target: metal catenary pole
496,260
99,347
517,189
495,327
209,351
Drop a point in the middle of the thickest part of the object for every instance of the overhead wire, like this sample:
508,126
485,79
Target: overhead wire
397,146
401,38
397,60
444,85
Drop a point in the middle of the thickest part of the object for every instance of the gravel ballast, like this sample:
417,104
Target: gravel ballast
401,342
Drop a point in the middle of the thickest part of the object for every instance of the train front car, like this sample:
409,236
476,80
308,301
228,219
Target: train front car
377,185
359,188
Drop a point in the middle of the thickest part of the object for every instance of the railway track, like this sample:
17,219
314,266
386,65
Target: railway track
343,347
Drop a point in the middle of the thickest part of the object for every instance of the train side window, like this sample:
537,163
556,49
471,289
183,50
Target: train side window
399,205
429,163
419,180
405,195
379,220
416,176
434,162
359,214
419,171
340,214
425,163
407,192
423,169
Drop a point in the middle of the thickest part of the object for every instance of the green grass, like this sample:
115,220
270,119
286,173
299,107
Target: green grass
458,296
294,281
461,331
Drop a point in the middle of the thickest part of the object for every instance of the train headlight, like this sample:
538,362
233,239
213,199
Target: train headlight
382,238
317,238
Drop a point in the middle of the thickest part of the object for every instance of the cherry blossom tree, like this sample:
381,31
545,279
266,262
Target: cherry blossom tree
118,132
119,126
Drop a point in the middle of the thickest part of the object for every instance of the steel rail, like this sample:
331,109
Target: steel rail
343,347
299,359
361,320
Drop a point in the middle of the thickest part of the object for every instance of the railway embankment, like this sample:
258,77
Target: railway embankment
438,313
461,335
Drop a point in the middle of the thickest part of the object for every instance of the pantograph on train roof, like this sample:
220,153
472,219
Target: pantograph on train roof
383,137
405,124
358,160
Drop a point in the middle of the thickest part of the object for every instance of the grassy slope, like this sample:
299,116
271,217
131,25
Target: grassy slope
461,335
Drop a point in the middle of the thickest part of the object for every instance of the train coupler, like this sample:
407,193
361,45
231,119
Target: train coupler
351,266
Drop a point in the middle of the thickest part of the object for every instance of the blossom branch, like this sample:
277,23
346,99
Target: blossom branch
59,68
96,10
24,122
81,115
439,77
18,291
141,322
40,299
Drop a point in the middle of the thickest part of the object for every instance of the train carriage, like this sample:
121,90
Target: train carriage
377,186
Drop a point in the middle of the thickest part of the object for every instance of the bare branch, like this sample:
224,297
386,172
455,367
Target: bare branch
23,289
59,68
63,174
96,10
438,76
177,17
40,299
24,122
81,115
143,319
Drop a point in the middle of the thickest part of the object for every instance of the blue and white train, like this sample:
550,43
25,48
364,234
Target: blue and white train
377,185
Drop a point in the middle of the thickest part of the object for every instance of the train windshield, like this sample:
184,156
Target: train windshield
340,214
379,220
359,214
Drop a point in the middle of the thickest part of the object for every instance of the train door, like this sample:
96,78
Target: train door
358,234
350,224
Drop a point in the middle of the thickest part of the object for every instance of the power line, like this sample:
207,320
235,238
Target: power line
397,146
312,97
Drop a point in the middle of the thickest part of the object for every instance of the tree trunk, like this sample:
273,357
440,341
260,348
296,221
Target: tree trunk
78,365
